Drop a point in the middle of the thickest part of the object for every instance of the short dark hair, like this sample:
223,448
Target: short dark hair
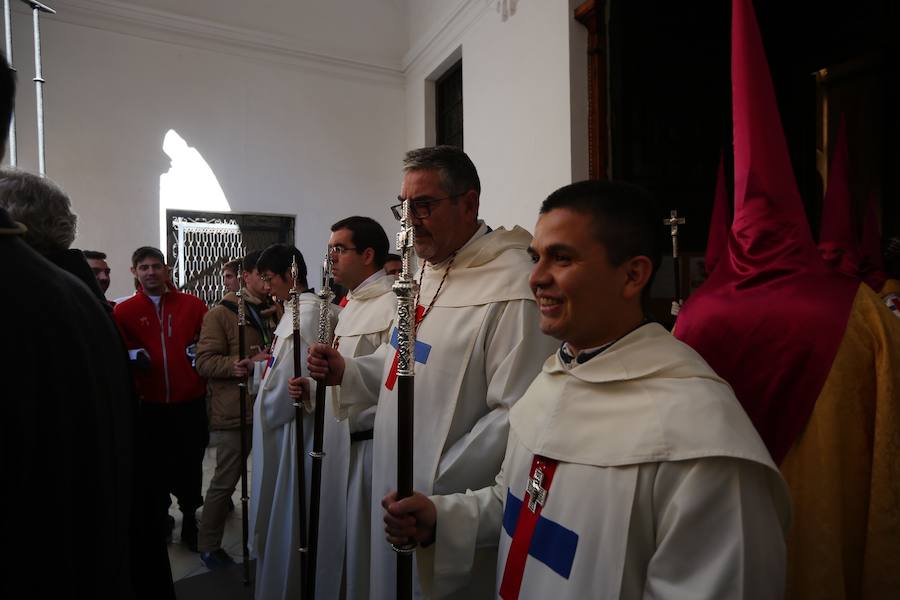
147,252
626,219
391,257
232,265
94,254
458,173
366,233
277,258
248,263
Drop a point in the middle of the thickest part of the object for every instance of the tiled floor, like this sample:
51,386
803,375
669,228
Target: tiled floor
186,563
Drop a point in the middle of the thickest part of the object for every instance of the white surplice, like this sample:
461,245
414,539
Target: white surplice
477,350
663,488
273,515
363,325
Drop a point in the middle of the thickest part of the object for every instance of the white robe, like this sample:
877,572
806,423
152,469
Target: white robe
485,348
663,490
274,526
364,325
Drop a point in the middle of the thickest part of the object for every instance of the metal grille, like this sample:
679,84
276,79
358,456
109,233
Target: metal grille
200,250
201,242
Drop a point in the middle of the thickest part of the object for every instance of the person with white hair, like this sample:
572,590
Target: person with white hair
71,447
46,212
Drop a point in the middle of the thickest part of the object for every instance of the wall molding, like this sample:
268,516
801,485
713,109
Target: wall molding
129,19
443,37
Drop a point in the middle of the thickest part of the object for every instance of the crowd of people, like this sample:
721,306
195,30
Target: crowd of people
566,445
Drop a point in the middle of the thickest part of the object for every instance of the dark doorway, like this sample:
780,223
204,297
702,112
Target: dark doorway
448,91
668,88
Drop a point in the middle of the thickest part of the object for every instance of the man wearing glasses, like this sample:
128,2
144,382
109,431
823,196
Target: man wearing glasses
358,248
273,496
478,345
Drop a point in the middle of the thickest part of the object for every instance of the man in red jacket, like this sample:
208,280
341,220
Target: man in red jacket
161,326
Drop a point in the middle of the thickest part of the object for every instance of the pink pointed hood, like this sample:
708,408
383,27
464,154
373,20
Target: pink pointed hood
871,261
838,241
720,223
771,316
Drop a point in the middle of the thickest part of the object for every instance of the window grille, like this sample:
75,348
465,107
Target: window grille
200,243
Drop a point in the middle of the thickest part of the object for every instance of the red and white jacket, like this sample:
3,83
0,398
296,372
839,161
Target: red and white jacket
166,336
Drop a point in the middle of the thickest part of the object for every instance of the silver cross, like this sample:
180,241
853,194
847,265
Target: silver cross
536,493
403,239
673,222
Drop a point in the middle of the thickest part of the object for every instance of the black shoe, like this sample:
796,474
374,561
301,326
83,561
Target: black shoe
217,559
189,532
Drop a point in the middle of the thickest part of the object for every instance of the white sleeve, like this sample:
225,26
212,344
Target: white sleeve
362,383
277,407
719,531
515,349
465,522
256,377
309,335
363,376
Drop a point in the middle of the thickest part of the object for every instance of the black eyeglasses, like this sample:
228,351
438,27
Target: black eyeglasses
419,207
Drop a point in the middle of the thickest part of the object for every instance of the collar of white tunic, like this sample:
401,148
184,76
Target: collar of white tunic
571,358
481,230
493,266
647,398
371,308
358,290
286,324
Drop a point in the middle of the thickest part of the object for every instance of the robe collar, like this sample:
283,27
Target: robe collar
371,287
659,353
647,398
492,266
286,324
567,354
480,231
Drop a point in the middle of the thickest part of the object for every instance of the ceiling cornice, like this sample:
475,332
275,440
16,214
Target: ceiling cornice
440,40
152,24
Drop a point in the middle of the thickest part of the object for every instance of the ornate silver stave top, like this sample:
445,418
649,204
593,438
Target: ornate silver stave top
405,289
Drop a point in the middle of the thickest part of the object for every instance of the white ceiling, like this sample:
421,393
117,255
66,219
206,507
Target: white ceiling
370,31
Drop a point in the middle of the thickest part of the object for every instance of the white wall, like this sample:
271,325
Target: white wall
290,131
284,135
525,98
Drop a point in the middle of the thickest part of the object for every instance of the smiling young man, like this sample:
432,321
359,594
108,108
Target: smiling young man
477,347
631,470
163,323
